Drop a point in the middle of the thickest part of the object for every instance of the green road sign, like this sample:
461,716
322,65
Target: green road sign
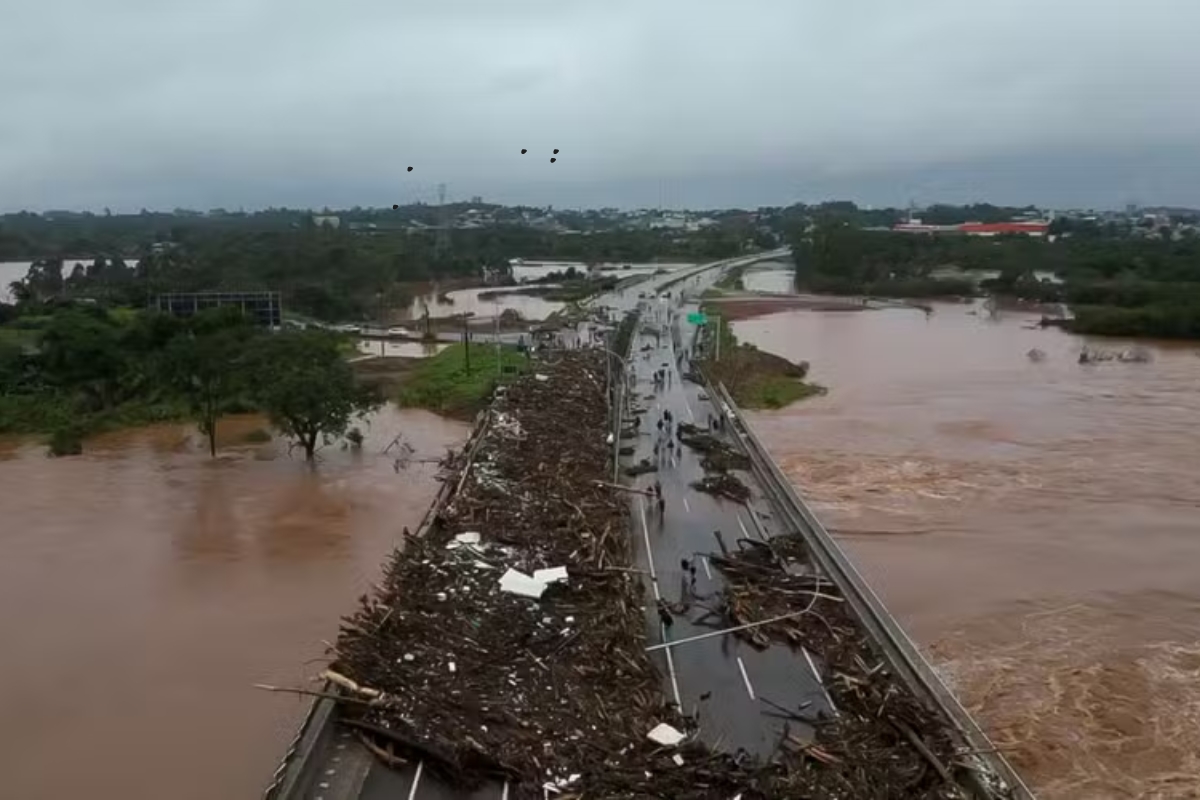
696,318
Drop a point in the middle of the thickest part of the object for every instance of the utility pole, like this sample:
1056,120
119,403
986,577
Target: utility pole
467,340
497,317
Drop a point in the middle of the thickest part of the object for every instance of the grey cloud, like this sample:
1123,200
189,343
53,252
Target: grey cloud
131,103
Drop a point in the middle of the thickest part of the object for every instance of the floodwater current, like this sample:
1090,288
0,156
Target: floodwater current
1034,525
145,588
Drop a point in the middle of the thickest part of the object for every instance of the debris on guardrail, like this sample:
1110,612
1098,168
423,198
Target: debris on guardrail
877,739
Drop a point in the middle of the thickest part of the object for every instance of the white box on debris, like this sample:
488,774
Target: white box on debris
468,538
665,735
516,582
550,574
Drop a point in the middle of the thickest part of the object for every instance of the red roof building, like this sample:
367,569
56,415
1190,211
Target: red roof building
997,228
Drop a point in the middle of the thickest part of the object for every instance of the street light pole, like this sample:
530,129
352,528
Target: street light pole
467,340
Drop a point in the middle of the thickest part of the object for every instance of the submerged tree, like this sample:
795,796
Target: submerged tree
306,388
207,365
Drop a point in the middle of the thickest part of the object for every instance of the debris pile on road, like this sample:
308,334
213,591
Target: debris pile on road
509,642
723,485
718,459
717,456
882,741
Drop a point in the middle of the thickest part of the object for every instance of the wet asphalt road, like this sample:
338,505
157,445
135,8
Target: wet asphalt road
731,676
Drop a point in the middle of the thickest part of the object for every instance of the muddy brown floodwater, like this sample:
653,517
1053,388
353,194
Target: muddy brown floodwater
1035,526
144,588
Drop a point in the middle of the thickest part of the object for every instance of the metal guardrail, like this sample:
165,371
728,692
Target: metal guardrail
994,776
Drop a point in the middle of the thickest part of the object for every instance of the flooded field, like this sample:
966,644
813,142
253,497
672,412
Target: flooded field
144,588
461,301
385,349
1035,526
769,276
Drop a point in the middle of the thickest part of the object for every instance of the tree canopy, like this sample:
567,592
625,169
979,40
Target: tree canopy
306,388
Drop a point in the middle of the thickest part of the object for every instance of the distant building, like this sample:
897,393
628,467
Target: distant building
327,221
997,228
1038,228
264,308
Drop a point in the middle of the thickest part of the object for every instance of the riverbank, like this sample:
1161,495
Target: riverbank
733,306
755,378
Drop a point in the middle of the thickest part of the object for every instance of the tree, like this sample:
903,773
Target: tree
305,386
205,364
81,350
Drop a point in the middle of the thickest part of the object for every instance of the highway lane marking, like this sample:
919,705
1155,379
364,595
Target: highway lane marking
649,552
504,794
688,406
412,793
707,571
686,507
745,679
742,525
820,683
671,667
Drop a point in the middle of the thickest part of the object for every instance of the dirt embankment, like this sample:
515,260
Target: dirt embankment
747,306
758,379
385,374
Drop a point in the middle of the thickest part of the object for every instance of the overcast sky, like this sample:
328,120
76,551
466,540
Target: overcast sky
249,103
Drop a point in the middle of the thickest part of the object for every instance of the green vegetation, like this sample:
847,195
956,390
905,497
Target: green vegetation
330,274
446,384
837,258
305,386
754,378
73,370
1147,286
776,391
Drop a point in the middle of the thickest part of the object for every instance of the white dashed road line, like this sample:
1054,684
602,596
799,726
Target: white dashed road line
745,677
412,793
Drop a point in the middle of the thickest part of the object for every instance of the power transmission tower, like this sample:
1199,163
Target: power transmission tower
442,244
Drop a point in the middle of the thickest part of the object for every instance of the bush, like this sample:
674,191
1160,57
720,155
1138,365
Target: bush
66,441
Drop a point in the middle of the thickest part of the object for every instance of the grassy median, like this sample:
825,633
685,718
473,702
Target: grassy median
444,383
